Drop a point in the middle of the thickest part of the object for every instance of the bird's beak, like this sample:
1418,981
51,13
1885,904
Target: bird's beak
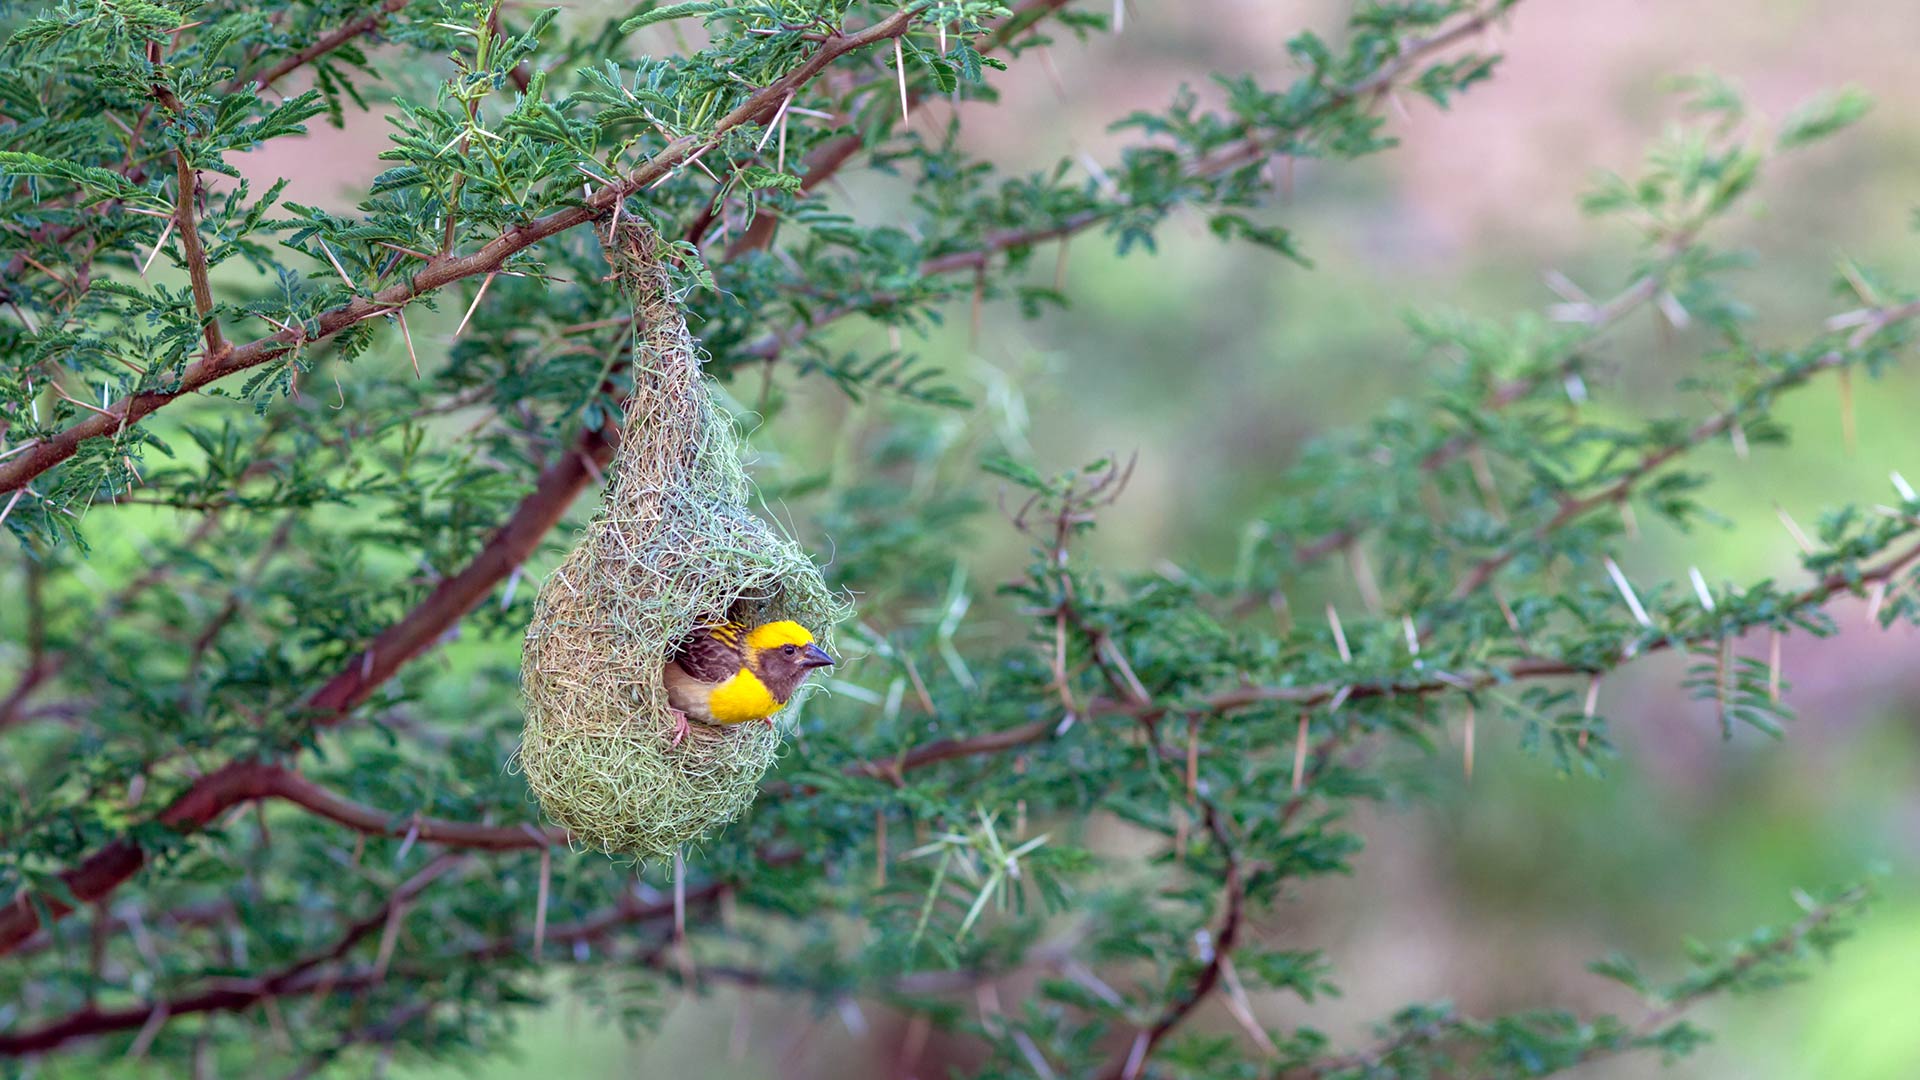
814,656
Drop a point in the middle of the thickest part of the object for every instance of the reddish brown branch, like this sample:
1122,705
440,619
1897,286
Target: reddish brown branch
215,793
21,469
314,974
306,794
12,707
1317,694
1622,486
1148,1038
827,158
365,24
187,179
236,994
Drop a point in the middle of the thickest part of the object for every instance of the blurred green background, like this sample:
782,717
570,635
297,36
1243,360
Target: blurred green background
1215,364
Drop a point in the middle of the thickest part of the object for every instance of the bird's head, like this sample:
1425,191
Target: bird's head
782,654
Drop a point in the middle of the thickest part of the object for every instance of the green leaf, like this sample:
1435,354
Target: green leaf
100,184
671,11
1823,116
761,178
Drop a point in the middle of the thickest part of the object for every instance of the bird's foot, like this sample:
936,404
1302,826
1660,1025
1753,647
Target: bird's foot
770,723
680,726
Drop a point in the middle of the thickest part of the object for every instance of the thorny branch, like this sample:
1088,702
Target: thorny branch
1623,485
457,595
365,24
16,472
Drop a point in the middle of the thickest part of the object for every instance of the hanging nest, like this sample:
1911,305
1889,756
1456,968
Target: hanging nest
672,549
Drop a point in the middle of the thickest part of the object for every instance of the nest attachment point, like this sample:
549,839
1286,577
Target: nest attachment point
673,548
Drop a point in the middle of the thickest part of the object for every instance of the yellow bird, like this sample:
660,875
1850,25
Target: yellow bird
730,673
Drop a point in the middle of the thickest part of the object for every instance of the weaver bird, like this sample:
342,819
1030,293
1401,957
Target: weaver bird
730,673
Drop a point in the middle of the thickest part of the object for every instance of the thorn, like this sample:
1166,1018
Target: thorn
680,918
1466,753
405,250
1413,635
1628,520
900,69
1858,284
1793,527
1119,16
471,308
540,902
1626,592
1136,1057
157,245
1339,635
1099,174
1565,289
406,844
1593,699
1053,73
1363,579
1905,489
1513,621
1876,596
779,117
780,164
1576,388
407,336
1676,315
1773,666
1300,753
337,268
1483,479
1242,1009
1700,588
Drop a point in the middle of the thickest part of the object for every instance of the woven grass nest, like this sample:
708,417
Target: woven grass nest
673,548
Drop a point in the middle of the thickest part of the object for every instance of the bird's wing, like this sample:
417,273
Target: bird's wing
709,656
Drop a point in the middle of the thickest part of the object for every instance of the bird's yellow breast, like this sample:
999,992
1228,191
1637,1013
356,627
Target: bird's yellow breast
740,699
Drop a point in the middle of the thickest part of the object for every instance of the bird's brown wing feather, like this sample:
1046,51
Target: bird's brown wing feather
708,657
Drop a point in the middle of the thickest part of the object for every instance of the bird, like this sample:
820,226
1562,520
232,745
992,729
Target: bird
730,673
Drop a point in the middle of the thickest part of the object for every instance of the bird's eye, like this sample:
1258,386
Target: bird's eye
788,649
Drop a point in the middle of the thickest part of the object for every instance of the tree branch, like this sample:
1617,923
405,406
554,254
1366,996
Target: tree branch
292,787
236,994
365,24
1622,486
1147,1039
826,159
216,792
188,181
1318,694
22,468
